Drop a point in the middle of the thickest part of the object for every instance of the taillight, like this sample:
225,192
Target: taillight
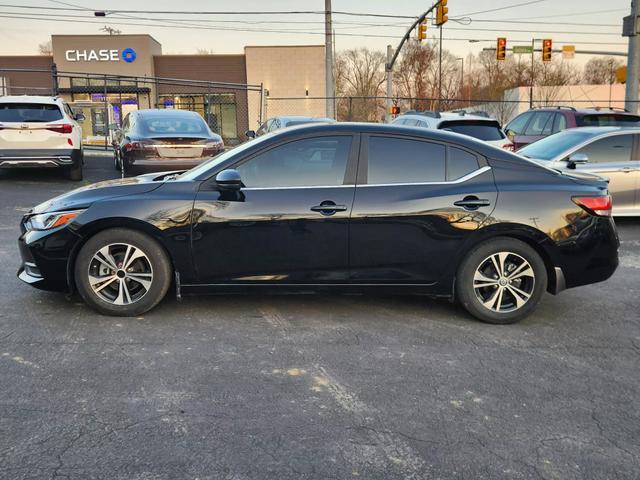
596,205
140,146
509,146
212,147
62,128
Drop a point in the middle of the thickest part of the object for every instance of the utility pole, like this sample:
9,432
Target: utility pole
533,48
630,29
328,47
440,72
387,117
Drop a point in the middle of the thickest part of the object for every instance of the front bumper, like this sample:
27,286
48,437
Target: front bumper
45,258
39,158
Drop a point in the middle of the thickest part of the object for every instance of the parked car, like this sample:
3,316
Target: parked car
538,123
164,139
356,207
476,126
613,152
40,132
277,123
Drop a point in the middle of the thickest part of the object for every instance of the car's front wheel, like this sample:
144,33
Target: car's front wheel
122,272
501,281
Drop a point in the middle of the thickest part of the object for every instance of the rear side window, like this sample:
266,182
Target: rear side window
29,112
607,120
460,163
559,123
486,131
400,160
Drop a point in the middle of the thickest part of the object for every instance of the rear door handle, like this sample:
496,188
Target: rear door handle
328,208
472,203
626,169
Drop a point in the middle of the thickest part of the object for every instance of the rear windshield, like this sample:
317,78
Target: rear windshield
482,130
607,120
167,125
29,112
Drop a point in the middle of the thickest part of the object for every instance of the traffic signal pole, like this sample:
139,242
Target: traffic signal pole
633,59
392,60
328,47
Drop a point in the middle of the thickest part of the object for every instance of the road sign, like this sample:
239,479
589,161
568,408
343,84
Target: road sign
568,51
621,74
525,49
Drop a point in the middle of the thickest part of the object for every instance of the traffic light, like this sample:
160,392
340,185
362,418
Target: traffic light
422,31
501,49
441,13
547,45
395,110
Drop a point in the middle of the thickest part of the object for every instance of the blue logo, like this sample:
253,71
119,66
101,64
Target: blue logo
129,55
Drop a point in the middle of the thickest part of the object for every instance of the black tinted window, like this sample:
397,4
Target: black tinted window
29,112
609,149
485,131
308,162
607,120
396,160
460,163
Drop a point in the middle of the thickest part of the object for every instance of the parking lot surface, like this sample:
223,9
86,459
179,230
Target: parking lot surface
302,387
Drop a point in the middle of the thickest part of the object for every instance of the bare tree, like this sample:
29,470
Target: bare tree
601,70
45,48
359,76
205,51
110,30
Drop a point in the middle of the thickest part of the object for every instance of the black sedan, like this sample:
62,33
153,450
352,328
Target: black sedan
164,139
353,207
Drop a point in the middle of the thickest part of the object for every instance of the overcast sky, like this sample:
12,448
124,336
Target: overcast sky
22,36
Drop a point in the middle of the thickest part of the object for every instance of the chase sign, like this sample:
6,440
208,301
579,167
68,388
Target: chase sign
102,55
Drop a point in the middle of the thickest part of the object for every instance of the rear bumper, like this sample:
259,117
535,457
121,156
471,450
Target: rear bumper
39,158
166,163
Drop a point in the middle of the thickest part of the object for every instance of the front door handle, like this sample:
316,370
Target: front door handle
329,208
472,203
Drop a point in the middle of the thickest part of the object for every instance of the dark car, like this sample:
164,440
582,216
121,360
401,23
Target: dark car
164,139
538,123
278,123
353,207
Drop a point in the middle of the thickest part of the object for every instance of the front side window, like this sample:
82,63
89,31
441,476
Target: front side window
400,160
609,150
320,161
538,123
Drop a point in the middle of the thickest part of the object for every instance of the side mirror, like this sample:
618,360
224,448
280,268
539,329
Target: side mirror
229,179
577,159
79,117
250,134
510,134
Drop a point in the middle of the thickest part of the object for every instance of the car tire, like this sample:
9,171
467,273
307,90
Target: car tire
501,281
122,272
75,172
116,161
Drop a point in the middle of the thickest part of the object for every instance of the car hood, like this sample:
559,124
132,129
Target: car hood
84,196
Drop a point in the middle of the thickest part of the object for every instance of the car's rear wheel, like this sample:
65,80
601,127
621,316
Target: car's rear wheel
116,161
75,171
501,281
122,272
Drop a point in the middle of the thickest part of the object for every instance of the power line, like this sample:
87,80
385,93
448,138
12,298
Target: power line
530,2
238,29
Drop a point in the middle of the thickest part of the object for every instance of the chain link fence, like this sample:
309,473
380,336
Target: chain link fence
373,109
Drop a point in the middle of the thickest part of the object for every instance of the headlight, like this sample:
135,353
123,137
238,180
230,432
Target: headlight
46,221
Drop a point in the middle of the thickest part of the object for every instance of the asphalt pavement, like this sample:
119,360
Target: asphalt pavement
313,387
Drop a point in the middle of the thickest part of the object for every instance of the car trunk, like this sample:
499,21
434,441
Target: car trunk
33,126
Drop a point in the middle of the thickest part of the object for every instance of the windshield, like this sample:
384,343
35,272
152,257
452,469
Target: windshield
203,167
29,112
486,131
553,145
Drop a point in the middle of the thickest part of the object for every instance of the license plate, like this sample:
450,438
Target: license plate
180,152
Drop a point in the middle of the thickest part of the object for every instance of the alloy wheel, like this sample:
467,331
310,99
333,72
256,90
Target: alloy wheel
120,274
504,282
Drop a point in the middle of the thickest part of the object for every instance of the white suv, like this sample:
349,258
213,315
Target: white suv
477,126
40,132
